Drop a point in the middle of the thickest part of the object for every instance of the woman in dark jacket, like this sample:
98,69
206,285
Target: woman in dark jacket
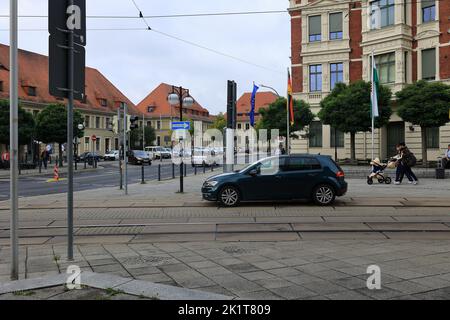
403,166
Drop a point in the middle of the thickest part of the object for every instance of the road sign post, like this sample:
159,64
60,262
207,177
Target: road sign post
14,139
67,28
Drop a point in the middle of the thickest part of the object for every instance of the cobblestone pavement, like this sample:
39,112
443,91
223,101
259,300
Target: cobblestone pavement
325,269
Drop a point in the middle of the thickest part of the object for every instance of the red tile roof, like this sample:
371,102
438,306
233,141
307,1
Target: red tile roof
33,72
157,99
263,100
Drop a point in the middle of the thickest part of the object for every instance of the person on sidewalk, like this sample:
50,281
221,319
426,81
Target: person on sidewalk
406,160
44,158
446,159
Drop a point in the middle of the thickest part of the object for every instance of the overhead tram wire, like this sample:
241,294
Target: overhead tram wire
141,15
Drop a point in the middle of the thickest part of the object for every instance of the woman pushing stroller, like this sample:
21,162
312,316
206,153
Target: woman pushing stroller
405,160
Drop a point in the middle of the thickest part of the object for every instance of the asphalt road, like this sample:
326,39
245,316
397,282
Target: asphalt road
88,180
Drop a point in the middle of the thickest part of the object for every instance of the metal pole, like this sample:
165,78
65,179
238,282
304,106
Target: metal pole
70,145
14,140
125,147
288,142
181,119
371,112
335,145
143,131
119,132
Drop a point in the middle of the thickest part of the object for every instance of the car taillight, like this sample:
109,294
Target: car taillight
340,174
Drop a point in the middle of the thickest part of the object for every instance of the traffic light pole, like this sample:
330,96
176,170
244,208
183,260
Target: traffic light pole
125,148
120,146
70,82
14,140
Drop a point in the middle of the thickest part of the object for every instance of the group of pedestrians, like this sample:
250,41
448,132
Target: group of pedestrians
404,161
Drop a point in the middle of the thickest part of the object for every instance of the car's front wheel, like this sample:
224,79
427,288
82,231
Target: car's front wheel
229,196
324,195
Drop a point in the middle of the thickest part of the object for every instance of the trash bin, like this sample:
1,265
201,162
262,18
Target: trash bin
440,171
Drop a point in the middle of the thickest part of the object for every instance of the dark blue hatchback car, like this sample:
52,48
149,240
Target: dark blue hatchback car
294,177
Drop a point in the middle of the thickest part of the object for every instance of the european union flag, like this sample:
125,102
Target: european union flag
253,101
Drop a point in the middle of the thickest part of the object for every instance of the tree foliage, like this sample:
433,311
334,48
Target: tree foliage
425,104
136,136
26,124
348,107
275,117
220,122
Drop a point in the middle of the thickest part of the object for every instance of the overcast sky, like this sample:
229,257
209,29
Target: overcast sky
137,61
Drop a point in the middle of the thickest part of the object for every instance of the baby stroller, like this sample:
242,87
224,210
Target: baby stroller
378,172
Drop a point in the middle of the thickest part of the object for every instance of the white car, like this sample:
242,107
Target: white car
158,152
113,155
203,157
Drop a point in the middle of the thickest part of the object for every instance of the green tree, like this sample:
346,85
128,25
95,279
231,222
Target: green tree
136,137
51,126
220,122
425,104
26,124
348,109
275,117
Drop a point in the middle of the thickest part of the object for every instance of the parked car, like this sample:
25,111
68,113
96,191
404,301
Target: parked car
203,157
311,177
138,157
89,157
112,155
159,152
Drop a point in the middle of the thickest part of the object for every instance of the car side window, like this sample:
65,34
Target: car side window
303,164
271,166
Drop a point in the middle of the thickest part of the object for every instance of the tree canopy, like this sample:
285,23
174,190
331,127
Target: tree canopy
220,122
274,117
136,136
51,124
26,124
425,104
348,107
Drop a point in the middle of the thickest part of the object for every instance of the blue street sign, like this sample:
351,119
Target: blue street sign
185,125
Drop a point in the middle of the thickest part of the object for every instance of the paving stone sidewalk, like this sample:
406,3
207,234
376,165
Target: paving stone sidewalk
327,269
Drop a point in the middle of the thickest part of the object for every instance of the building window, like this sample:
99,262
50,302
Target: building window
149,124
247,126
158,140
315,28
97,144
433,138
429,64
1,86
239,126
158,125
336,74
428,10
315,77
108,123
35,113
103,102
336,26
31,91
382,13
150,109
337,138
86,143
386,67
315,134
87,122
97,122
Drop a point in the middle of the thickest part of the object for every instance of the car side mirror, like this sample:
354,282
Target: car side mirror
253,172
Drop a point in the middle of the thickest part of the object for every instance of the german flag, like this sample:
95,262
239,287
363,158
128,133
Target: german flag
290,99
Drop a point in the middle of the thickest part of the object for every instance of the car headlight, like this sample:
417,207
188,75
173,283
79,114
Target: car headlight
210,184
139,159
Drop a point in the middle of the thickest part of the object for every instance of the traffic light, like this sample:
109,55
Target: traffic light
132,122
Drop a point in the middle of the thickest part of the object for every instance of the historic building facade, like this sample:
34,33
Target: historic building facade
157,112
332,41
98,108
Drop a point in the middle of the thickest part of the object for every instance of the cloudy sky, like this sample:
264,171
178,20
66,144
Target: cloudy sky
137,61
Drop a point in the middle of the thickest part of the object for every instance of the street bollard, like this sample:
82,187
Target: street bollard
40,166
195,170
185,170
85,163
204,168
142,174
76,165
159,172
173,170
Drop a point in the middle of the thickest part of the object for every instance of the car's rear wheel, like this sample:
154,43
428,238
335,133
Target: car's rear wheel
324,195
229,196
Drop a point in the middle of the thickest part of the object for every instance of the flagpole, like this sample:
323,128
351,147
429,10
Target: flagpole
373,117
288,142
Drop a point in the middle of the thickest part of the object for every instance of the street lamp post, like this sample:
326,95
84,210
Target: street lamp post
181,97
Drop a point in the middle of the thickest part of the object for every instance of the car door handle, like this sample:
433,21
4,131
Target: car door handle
278,177
312,174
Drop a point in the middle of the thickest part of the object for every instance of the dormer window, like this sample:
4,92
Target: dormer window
31,91
103,102
1,86
150,109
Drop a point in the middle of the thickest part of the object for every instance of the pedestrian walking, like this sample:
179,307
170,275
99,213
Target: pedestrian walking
405,161
44,158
